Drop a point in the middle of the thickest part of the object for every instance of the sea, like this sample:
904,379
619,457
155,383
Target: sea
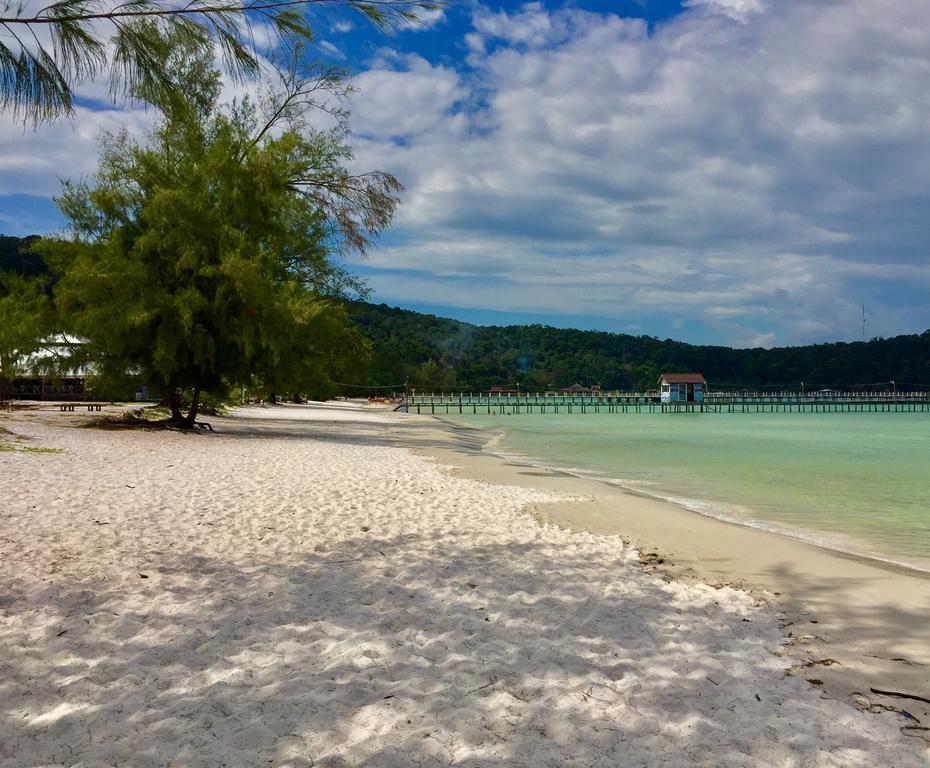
854,482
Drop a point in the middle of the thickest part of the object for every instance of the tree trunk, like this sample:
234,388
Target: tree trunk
174,402
191,417
177,418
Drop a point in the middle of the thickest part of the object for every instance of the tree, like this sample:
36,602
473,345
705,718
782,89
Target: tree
45,53
24,302
204,257
24,320
17,258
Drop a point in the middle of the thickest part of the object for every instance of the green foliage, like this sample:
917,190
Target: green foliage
17,257
202,258
112,388
432,353
44,53
24,281
26,318
7,448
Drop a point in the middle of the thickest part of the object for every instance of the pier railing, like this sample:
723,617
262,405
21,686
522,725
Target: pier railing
638,402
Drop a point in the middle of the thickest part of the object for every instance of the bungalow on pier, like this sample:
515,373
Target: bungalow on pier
682,387
577,389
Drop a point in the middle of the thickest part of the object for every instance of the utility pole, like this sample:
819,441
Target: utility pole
863,322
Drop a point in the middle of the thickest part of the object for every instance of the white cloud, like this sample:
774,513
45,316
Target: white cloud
532,26
330,49
588,166
34,160
767,340
736,9
404,102
428,18
759,167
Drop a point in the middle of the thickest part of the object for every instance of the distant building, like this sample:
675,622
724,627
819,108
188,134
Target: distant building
497,390
577,389
682,387
47,373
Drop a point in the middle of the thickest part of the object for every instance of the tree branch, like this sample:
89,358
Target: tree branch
190,10
38,78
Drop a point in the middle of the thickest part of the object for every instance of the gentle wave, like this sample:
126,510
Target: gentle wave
717,510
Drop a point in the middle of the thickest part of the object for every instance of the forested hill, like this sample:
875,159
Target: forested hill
433,352
15,256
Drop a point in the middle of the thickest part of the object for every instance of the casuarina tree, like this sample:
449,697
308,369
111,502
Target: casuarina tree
208,254
48,50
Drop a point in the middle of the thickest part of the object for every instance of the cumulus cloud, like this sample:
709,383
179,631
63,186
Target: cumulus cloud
736,174
533,25
428,18
746,172
736,9
34,160
403,98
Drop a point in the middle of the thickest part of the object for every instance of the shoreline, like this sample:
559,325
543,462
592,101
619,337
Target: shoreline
851,623
308,586
802,536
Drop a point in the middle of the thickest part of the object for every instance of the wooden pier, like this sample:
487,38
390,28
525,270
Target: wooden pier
494,404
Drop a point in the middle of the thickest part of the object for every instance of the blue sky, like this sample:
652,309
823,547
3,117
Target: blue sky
743,172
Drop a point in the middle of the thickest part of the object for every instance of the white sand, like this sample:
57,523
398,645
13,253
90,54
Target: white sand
316,596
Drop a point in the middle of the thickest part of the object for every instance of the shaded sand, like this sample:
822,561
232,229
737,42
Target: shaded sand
852,624
294,591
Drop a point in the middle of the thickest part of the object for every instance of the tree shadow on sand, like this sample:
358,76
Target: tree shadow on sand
406,651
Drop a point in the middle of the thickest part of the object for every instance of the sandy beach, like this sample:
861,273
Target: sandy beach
850,624
331,586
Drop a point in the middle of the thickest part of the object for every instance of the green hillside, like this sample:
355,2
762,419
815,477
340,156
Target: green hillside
433,352
16,257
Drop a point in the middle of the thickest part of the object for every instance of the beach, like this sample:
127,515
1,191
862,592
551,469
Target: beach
850,623
331,585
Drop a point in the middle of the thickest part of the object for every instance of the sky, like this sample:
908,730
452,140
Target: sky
736,172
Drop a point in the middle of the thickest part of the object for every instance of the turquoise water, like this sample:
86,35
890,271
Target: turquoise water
854,482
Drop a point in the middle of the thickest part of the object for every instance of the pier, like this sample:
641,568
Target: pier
512,404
